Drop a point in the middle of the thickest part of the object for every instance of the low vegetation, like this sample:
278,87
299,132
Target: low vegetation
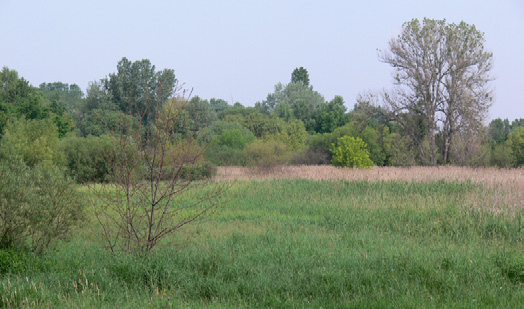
300,242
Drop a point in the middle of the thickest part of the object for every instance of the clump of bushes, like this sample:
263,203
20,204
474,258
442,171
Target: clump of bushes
85,158
267,154
202,170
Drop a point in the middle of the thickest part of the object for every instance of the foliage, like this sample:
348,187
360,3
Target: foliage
351,152
300,75
294,135
401,151
442,75
330,115
201,114
218,105
300,103
37,206
471,149
33,141
516,144
312,156
502,156
226,156
236,138
499,130
137,83
13,260
19,99
251,118
199,171
267,154
69,98
84,157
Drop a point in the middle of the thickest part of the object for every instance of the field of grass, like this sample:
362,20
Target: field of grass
305,243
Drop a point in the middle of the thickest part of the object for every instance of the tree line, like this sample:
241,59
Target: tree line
434,114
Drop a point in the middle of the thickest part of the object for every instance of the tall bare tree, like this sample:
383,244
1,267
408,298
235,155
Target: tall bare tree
442,77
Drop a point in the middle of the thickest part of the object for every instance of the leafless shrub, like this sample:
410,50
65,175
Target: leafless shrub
145,198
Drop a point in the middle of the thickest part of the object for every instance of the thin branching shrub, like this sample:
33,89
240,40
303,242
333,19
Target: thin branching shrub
151,167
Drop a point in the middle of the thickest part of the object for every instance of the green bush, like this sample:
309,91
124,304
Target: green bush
516,143
236,138
226,156
85,158
502,156
202,170
33,141
37,206
267,154
351,152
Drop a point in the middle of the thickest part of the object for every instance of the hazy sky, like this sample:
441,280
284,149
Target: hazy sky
238,50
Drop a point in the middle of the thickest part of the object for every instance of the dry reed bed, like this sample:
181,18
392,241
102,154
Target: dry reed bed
507,184
419,173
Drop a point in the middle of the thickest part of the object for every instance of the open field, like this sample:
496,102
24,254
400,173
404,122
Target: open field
452,238
506,186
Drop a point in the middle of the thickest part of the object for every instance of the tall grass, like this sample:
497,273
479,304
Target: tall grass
296,243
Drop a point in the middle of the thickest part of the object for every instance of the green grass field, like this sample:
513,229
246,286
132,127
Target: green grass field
299,243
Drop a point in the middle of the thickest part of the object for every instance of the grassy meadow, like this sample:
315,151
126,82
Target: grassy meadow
307,238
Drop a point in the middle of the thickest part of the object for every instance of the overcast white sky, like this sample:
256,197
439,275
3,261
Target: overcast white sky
238,50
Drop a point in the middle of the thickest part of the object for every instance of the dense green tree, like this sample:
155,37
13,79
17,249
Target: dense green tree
218,105
499,130
330,115
69,97
18,98
298,95
502,155
300,75
284,111
517,123
201,114
136,87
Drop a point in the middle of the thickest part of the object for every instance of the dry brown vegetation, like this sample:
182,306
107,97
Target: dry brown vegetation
419,173
505,194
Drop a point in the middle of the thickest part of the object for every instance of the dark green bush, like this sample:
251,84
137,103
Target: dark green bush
202,170
226,156
85,158
13,261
